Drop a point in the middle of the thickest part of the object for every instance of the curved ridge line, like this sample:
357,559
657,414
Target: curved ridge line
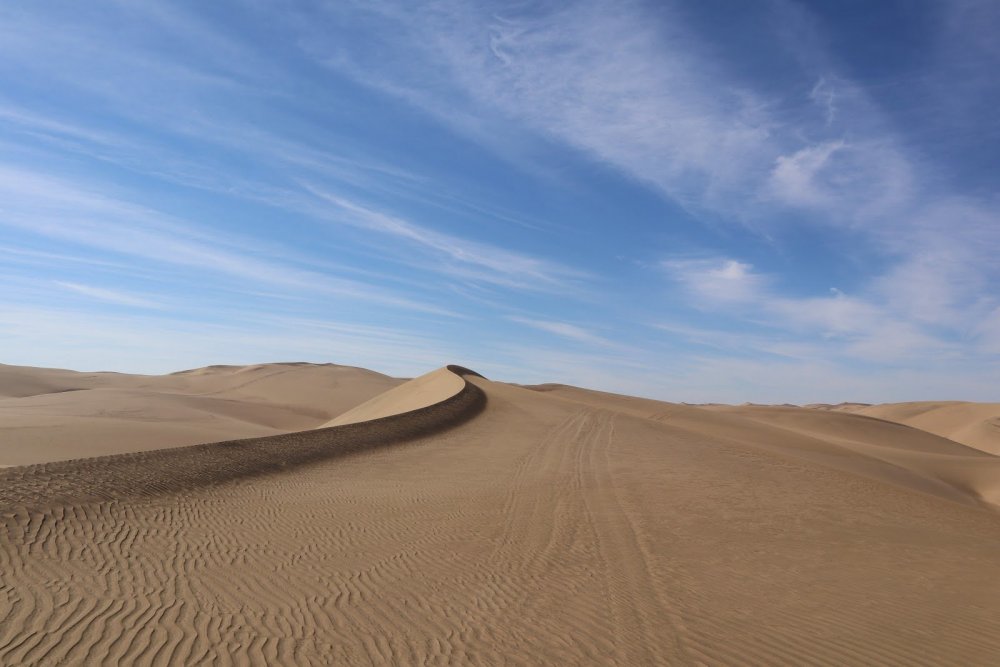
159,471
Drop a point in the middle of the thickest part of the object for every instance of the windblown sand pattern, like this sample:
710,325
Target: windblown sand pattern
499,525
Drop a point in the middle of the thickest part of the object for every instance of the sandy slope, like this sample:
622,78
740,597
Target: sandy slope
509,526
420,392
973,424
875,448
51,414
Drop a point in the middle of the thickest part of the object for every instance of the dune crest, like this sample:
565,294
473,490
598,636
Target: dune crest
428,389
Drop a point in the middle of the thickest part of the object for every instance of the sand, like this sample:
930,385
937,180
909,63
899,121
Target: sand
973,424
421,392
503,525
51,414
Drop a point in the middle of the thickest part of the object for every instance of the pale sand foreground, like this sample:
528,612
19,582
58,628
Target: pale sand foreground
51,414
502,525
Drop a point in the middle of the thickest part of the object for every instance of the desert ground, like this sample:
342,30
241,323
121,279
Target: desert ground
351,518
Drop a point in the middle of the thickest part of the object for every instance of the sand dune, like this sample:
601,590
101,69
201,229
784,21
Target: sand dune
500,525
52,414
426,390
882,450
973,424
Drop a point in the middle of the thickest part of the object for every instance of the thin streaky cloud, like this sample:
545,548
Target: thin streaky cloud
109,295
564,330
489,259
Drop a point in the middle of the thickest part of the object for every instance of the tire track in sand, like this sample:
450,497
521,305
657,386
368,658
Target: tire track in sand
647,627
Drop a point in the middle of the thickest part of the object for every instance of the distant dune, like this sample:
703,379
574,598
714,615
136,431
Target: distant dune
973,424
455,520
51,414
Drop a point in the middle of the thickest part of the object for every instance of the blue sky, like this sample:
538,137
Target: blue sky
694,201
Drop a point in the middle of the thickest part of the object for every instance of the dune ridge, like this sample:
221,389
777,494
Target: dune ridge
152,472
418,393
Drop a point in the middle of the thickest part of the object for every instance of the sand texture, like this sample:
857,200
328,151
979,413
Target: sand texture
503,525
51,415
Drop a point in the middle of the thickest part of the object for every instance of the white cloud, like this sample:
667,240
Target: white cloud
837,314
717,281
824,95
642,107
660,107
565,330
828,327
490,263
947,270
794,179
50,207
111,296
858,183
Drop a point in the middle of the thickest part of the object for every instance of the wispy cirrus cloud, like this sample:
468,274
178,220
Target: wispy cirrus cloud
42,205
312,174
564,330
660,107
109,295
491,263
642,107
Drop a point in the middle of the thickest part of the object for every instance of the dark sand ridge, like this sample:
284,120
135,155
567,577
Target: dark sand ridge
565,527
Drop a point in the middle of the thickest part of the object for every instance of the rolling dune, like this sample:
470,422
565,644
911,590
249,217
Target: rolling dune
472,522
51,414
883,450
973,424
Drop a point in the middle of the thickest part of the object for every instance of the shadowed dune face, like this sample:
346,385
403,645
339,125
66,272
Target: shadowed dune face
52,414
502,525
